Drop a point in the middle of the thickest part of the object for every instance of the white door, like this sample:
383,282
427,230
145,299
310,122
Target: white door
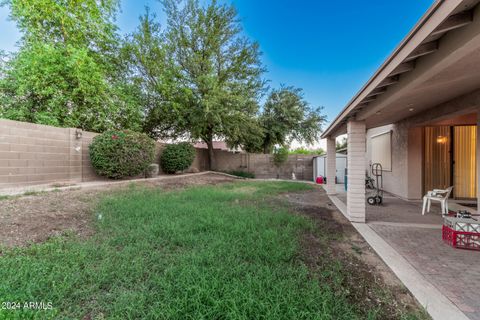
319,167
341,165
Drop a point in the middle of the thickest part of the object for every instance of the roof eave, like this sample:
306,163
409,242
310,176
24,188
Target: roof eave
334,127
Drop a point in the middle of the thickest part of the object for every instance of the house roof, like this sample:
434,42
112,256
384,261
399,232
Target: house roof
443,44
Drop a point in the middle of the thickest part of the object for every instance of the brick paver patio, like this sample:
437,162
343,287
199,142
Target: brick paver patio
454,272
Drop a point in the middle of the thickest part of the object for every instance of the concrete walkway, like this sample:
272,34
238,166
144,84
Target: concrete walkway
443,279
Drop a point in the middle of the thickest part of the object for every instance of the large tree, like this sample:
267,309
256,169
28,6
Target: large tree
67,72
287,116
152,73
217,74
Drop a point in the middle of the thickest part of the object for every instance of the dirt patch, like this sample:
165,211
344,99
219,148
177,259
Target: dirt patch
36,217
183,182
368,281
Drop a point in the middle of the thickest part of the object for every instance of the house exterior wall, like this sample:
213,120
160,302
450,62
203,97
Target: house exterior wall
414,171
406,177
394,181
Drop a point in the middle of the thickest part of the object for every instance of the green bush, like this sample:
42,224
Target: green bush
280,156
118,154
242,174
304,151
177,157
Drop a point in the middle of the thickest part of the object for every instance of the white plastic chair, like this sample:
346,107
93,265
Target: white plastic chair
440,195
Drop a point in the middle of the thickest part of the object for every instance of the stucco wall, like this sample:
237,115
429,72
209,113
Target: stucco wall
394,181
406,178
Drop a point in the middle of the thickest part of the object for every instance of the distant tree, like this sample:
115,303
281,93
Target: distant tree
339,145
305,151
66,72
287,116
217,76
280,155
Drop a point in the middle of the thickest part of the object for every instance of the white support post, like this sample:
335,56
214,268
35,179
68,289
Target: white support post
356,165
331,166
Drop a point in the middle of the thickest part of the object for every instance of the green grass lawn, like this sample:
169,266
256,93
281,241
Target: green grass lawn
202,253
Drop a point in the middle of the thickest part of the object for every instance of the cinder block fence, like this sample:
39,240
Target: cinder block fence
35,154
32,154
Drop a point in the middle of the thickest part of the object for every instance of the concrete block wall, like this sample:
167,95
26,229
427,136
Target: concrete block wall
230,161
32,154
36,154
263,167
200,163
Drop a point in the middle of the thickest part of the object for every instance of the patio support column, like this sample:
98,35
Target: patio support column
331,166
356,164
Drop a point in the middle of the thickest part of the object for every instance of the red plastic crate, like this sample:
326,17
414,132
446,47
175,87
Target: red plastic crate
460,239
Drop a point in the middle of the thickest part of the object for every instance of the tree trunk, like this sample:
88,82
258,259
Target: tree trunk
211,156
266,149
267,145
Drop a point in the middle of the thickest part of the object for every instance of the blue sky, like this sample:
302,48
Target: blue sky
328,48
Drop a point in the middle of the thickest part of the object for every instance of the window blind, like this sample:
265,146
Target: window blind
382,150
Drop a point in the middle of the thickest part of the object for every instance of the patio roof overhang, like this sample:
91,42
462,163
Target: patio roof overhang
437,61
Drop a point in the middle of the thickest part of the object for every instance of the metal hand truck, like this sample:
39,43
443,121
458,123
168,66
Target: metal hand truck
376,196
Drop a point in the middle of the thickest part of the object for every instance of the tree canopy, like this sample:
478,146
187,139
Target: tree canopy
341,144
152,74
198,78
287,116
219,73
66,72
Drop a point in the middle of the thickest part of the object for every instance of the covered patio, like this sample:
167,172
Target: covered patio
416,238
418,116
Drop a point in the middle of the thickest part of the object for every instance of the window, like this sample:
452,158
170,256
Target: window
382,150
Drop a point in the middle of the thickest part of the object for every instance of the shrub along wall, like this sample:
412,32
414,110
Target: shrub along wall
119,154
